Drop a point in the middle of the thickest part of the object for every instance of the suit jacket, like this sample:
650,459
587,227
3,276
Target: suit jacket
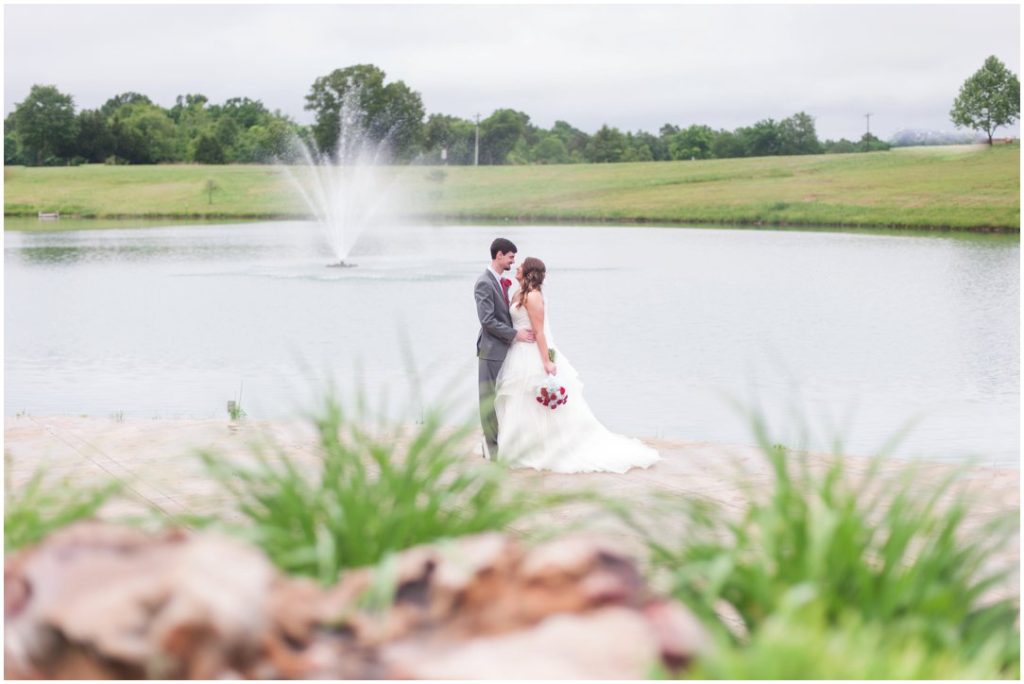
496,331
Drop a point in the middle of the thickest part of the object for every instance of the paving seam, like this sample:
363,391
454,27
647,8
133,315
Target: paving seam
121,480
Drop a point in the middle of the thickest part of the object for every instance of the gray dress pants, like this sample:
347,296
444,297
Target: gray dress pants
488,419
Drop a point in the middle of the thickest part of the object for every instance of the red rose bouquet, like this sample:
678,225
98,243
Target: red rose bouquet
551,393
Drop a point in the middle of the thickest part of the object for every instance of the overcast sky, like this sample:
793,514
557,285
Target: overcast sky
634,67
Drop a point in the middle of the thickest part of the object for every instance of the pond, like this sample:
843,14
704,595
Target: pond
832,334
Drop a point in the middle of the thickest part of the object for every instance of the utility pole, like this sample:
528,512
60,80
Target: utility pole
868,117
476,145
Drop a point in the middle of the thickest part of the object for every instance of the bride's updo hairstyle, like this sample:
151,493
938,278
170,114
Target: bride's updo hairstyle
533,277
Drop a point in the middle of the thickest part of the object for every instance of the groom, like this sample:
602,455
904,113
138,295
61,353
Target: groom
496,334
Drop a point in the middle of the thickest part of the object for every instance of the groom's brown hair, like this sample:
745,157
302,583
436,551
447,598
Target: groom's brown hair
502,245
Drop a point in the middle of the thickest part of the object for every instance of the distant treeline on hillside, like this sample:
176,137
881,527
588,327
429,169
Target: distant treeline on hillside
46,129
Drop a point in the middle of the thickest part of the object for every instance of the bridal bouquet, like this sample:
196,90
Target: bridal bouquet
551,394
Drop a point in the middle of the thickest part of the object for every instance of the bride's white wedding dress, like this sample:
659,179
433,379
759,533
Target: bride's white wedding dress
568,439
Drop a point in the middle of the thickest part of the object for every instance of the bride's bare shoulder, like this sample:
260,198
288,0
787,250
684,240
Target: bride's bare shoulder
534,301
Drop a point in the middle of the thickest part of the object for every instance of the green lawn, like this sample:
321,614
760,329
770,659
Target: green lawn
960,187
98,191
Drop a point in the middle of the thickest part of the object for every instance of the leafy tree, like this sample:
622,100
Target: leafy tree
550,150
607,145
11,156
499,134
797,135
190,106
244,112
457,136
657,147
762,139
636,150
116,102
439,131
226,131
869,143
841,146
207,149
265,143
520,152
192,118
45,125
391,112
988,99
691,143
727,145
274,141
464,146
401,121
143,134
95,141
11,153
637,153
248,148
575,140
305,136
532,134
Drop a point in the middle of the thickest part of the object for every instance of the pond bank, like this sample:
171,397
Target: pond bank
965,188
30,224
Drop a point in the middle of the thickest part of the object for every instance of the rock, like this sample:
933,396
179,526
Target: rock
609,643
681,637
167,606
100,601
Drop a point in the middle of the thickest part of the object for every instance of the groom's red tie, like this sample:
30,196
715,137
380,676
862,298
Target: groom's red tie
505,284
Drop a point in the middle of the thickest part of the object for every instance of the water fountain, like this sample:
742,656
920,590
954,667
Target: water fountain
349,190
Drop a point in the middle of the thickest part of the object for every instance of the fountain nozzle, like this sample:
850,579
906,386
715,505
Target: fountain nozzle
341,264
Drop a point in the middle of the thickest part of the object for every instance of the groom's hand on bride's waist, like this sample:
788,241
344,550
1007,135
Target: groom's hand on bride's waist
526,336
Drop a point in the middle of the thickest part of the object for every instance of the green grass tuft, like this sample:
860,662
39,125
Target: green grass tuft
43,505
864,550
375,492
801,643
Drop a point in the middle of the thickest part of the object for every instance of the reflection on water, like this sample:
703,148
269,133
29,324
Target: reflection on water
52,255
32,224
862,330
61,254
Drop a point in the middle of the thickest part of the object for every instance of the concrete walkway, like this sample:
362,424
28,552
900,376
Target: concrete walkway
155,458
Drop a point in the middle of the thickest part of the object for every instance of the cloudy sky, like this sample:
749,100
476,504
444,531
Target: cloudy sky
630,66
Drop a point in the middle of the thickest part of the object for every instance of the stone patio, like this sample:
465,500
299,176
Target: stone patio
155,460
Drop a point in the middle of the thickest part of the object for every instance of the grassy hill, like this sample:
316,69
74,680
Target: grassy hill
957,187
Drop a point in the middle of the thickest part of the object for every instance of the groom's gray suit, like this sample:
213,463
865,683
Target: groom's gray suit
496,334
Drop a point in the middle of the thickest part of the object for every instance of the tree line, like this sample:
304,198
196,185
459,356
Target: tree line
46,129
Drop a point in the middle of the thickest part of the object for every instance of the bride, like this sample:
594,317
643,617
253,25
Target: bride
530,435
